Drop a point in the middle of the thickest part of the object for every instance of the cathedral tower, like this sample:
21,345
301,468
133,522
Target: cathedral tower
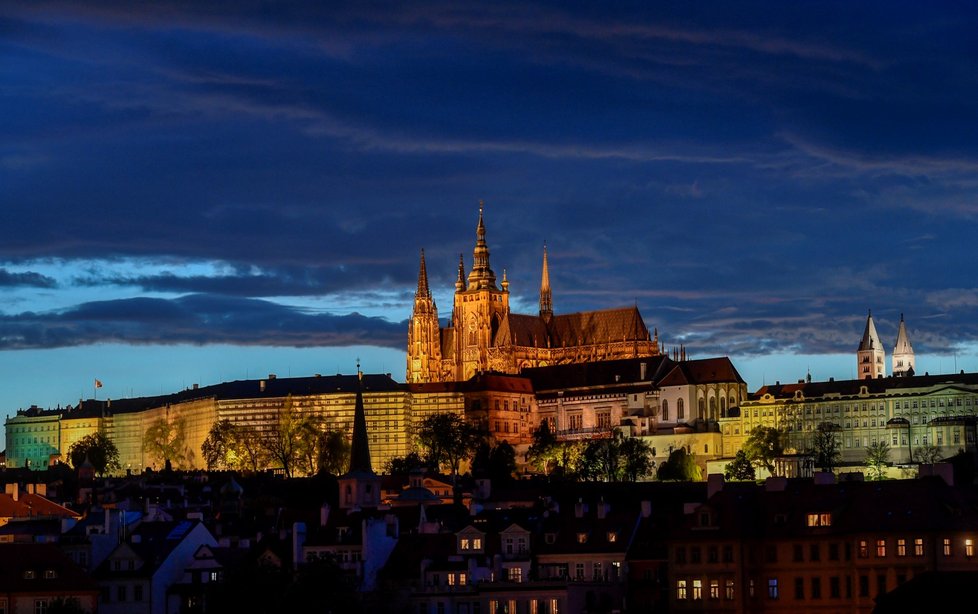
870,357
359,486
424,338
903,359
479,308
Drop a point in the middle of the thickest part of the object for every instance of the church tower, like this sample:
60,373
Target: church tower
903,360
546,300
424,338
359,486
871,358
479,308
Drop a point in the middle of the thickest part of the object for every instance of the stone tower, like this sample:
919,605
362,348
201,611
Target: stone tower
424,337
903,359
359,486
870,357
479,308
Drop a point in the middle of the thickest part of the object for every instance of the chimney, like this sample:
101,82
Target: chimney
196,386
642,367
13,490
261,386
271,376
603,509
579,509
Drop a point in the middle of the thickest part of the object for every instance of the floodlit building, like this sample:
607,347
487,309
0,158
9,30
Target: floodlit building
484,335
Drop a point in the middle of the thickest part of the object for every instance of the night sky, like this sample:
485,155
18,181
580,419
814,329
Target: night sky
201,192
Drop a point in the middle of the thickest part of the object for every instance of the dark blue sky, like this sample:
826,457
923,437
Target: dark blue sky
191,191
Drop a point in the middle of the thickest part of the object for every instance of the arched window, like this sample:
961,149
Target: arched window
733,402
665,410
680,409
723,406
700,408
713,408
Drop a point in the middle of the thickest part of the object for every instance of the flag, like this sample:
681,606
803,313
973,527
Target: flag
98,384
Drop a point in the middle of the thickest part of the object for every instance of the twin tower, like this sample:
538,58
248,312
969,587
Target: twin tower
871,357
485,336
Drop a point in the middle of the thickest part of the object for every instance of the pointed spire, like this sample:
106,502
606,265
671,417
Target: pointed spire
903,340
870,340
360,444
546,299
423,290
505,283
460,282
481,276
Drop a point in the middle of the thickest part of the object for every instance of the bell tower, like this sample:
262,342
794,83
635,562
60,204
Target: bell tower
870,357
479,307
903,358
424,337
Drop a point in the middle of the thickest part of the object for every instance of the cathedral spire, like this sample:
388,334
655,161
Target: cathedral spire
870,355
360,444
460,282
903,356
423,290
481,275
546,300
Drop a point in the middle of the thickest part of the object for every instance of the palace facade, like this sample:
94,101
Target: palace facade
485,336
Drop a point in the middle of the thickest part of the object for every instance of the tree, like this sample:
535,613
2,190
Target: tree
544,452
876,460
616,459
637,460
764,444
929,454
448,439
826,450
404,465
98,449
332,452
285,442
164,441
222,447
680,466
740,468
497,462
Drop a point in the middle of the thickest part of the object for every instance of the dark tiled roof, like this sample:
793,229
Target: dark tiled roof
598,327
705,371
16,559
242,389
879,385
600,373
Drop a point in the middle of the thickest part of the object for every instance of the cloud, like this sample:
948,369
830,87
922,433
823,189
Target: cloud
195,319
30,279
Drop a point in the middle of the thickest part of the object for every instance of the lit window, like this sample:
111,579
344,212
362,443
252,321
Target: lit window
772,588
582,538
969,547
714,589
947,547
464,544
728,589
681,590
514,574
477,543
901,547
863,549
697,590
612,537
819,520
880,548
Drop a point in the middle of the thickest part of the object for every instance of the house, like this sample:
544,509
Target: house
33,576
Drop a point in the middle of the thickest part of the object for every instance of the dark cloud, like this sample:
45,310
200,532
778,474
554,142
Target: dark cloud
30,279
195,319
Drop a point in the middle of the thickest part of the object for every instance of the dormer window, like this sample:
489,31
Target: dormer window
819,520
612,537
50,574
29,574
582,538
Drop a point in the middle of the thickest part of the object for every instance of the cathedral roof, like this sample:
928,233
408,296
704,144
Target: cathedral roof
871,340
598,327
522,330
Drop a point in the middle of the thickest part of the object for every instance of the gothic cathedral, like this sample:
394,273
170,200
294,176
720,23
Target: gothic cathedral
484,336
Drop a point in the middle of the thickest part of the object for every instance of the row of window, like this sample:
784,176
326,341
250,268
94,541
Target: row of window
901,547
122,593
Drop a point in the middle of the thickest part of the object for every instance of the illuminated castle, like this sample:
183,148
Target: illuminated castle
485,336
